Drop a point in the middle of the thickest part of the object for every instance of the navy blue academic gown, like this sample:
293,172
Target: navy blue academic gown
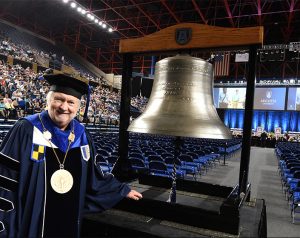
36,205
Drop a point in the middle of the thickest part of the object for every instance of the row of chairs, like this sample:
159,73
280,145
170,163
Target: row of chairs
194,157
288,155
197,154
161,168
107,150
165,167
2,135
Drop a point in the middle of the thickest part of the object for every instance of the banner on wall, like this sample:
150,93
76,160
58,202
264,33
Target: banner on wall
241,57
42,61
35,67
10,60
68,69
269,98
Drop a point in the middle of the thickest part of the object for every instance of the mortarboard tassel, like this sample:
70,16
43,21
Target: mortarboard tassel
88,96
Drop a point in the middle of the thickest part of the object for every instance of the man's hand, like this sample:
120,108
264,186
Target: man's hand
134,195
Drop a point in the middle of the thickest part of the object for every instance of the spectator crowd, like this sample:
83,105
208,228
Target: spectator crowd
23,92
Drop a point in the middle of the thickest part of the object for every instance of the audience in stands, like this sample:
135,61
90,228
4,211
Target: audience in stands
139,102
30,54
3,111
23,91
21,52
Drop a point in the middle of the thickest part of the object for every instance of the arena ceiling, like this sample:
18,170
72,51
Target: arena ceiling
135,18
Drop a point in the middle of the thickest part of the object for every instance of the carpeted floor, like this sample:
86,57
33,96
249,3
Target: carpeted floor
265,183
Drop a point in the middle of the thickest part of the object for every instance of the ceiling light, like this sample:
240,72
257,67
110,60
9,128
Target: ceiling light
89,15
73,4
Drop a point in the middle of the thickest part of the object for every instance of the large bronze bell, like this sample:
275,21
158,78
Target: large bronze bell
181,101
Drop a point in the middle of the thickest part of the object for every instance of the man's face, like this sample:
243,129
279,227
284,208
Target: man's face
62,108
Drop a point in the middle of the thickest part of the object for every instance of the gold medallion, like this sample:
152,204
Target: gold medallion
61,181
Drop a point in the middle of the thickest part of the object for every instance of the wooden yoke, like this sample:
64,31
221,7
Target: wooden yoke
192,36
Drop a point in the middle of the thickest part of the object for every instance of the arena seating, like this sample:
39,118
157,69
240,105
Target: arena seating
288,154
24,48
196,156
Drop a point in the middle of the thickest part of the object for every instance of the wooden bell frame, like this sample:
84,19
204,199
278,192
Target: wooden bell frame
202,37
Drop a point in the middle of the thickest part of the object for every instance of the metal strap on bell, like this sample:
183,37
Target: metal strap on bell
181,101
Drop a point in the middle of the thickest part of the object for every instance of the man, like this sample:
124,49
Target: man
51,160
263,137
223,99
298,100
235,99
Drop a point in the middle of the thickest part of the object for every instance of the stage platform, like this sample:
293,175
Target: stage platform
193,215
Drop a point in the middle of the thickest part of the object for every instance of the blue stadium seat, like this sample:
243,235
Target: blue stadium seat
138,164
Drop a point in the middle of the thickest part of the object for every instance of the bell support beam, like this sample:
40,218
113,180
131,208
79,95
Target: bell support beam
202,36
123,167
247,130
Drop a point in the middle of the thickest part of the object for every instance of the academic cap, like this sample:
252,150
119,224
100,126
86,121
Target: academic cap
67,84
